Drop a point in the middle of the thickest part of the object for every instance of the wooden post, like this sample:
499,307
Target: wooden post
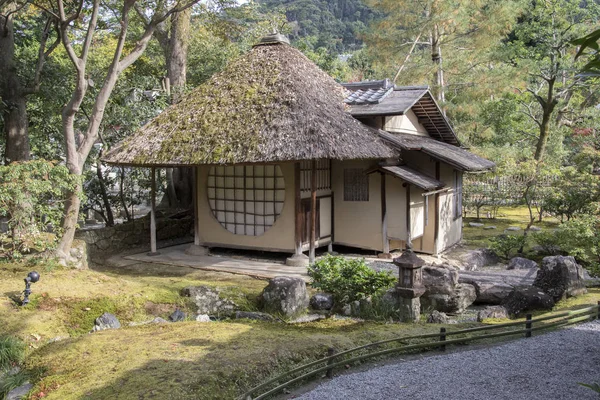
598,311
442,339
528,325
195,200
298,208
330,353
313,210
153,213
408,228
436,215
384,219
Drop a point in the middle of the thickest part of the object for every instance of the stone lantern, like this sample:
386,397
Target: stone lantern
410,285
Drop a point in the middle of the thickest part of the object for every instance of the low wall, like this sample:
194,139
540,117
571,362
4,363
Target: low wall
136,234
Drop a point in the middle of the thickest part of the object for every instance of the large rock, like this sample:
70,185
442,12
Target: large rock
437,317
177,316
527,298
561,277
476,259
521,263
440,279
491,292
492,312
321,301
463,296
259,316
210,301
286,296
19,392
106,321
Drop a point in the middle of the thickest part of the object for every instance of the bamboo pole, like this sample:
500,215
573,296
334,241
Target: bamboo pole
153,250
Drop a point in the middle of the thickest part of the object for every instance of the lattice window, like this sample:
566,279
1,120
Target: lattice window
323,169
246,200
356,185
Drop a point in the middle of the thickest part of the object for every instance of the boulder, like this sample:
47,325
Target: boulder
210,301
177,316
560,277
478,258
19,392
521,263
476,224
159,320
463,296
259,316
491,292
489,227
106,321
527,298
492,312
440,279
437,317
202,318
286,296
321,301
513,229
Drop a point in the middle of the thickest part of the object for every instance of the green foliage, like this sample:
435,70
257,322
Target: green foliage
9,382
12,352
31,197
506,245
593,386
347,279
575,192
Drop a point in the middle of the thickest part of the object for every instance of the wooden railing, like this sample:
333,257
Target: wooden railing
434,341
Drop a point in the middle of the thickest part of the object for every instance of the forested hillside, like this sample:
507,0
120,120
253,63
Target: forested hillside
337,25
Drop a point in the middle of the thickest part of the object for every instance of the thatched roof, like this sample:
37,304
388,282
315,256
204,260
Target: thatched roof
459,158
271,105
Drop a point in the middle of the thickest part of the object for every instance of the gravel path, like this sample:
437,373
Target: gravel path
544,367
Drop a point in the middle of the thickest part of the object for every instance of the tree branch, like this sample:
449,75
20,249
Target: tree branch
43,53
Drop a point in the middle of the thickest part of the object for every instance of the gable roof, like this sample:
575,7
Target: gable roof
459,158
397,100
273,104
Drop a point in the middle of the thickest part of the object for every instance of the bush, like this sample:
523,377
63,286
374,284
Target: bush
348,279
505,245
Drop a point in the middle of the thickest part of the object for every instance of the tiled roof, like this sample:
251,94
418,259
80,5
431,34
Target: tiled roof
369,96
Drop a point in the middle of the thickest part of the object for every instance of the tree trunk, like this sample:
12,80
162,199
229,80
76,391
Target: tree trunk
110,219
69,225
15,103
544,132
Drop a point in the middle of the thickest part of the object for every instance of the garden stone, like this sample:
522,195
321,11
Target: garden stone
307,318
321,301
491,292
106,321
560,277
463,296
513,229
437,317
527,298
440,280
177,316
487,228
202,318
259,316
476,224
521,263
209,300
492,312
478,258
159,320
535,229
20,392
286,296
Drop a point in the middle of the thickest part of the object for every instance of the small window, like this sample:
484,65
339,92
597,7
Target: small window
458,191
356,185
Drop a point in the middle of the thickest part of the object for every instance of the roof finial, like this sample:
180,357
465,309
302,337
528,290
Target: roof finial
273,38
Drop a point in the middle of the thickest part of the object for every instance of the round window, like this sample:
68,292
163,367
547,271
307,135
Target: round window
246,200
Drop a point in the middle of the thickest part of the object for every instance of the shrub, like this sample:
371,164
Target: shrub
12,352
505,245
348,279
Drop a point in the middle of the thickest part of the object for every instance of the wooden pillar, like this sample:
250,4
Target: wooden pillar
153,213
298,208
313,210
408,224
384,218
436,215
195,200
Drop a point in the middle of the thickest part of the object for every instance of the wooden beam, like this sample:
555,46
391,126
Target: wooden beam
313,210
195,176
298,208
153,213
384,218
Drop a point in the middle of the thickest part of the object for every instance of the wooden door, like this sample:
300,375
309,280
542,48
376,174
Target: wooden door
306,220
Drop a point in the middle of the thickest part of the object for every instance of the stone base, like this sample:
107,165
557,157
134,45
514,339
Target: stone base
297,260
410,309
195,250
153,253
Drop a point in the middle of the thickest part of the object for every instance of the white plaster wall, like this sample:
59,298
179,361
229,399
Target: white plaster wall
450,228
280,237
396,208
417,213
407,123
357,223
